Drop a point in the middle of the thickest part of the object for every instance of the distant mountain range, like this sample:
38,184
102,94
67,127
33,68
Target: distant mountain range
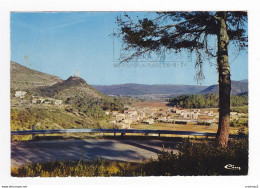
142,89
237,87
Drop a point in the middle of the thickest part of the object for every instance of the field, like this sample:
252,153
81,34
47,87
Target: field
188,127
241,109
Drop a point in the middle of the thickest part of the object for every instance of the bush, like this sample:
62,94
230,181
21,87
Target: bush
181,122
205,159
203,123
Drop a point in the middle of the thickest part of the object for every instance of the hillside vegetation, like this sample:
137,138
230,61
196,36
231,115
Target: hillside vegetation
82,105
206,101
76,92
73,86
24,78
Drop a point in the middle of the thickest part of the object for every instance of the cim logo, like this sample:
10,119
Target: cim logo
232,167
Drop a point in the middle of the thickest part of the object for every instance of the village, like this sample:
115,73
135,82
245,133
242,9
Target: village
144,115
173,116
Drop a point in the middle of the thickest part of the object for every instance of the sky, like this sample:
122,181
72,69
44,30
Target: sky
59,43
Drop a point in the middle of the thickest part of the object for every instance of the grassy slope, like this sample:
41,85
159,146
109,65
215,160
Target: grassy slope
24,78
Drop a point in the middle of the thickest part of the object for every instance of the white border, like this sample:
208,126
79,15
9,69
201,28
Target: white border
134,5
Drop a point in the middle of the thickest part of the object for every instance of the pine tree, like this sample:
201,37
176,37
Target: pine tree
191,31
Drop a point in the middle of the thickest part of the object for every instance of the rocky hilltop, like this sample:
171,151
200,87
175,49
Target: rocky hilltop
73,86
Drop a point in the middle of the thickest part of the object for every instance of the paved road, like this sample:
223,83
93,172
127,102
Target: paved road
86,149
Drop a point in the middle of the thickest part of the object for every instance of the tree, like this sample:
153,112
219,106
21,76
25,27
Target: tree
195,33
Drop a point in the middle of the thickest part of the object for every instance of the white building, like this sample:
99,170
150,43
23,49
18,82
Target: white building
58,102
120,116
162,119
130,112
123,126
77,73
20,94
34,100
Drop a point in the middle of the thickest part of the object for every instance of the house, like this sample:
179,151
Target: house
135,118
196,110
142,115
127,121
120,116
162,119
170,120
181,112
34,100
113,122
123,125
58,102
241,114
130,112
20,94
191,115
41,100
206,119
114,113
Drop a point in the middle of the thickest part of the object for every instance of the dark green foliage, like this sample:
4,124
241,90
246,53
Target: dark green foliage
94,107
242,122
206,101
173,32
203,123
193,159
205,159
181,122
24,119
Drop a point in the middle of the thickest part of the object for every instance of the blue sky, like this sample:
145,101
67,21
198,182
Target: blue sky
60,43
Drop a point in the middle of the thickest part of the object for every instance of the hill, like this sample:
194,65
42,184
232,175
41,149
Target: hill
24,78
82,106
142,89
72,87
237,87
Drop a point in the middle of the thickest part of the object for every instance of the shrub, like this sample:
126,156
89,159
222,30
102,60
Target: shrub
205,159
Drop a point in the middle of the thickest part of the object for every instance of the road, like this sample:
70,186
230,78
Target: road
129,150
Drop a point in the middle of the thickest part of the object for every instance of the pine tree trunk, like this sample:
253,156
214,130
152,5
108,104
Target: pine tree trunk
224,81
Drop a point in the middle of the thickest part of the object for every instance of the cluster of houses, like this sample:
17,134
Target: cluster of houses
152,115
41,100
235,115
38,100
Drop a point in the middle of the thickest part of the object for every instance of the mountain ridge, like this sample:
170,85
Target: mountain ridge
143,89
24,78
237,87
